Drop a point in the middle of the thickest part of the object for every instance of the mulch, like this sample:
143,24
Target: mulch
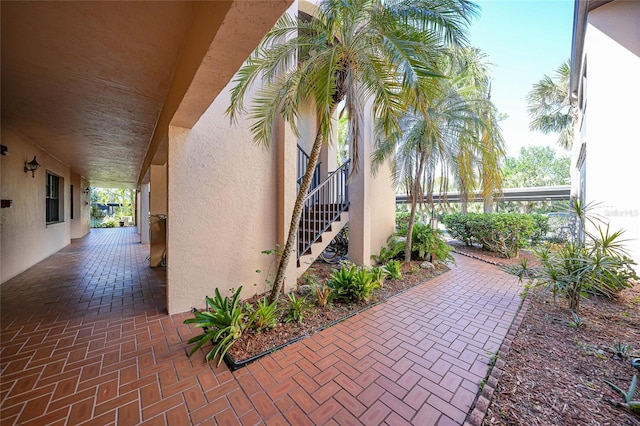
555,374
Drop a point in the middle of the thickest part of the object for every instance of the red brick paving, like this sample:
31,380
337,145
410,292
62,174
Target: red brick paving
86,340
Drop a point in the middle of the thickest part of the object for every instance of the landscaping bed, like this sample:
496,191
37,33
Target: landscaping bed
254,344
555,372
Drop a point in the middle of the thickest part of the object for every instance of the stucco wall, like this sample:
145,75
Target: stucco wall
25,236
372,198
80,225
222,209
612,49
157,209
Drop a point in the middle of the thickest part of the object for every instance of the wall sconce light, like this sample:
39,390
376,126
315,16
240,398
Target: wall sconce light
31,166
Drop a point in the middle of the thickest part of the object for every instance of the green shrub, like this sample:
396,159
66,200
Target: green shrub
351,283
502,233
402,219
575,270
223,323
426,244
296,308
393,269
541,228
110,222
393,250
265,315
458,226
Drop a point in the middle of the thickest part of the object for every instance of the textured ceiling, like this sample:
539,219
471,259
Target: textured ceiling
86,81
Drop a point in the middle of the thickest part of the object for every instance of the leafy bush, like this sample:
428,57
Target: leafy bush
426,244
459,226
598,265
393,269
296,307
265,315
352,283
541,228
110,222
378,275
393,250
502,233
402,219
223,323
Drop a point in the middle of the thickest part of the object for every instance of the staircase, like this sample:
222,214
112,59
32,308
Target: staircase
324,214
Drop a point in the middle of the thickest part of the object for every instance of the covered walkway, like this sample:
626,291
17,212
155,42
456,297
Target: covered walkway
86,340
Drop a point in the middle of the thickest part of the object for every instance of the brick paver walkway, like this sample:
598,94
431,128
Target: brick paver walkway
86,340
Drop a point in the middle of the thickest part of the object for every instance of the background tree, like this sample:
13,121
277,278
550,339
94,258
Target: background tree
351,51
536,166
454,139
550,108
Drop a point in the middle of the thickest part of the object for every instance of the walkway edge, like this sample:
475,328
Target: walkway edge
480,407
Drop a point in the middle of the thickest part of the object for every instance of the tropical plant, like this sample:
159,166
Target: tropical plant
628,395
265,315
351,283
595,264
453,135
354,51
393,250
550,108
324,295
378,275
222,323
393,269
296,308
620,350
575,322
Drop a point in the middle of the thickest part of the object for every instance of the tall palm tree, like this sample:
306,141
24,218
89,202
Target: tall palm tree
550,108
351,51
481,151
451,140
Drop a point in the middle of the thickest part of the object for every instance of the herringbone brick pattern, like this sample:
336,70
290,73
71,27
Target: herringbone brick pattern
86,340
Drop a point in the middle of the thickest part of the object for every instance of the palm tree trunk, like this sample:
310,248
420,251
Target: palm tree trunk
292,237
414,202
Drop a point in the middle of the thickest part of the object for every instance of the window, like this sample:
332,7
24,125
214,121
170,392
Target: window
54,199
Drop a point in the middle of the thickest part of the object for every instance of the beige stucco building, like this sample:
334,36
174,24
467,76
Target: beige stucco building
605,88
133,94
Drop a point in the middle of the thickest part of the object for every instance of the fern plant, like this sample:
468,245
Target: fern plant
222,323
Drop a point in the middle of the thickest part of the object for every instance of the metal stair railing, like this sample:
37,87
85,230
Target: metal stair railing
323,206
303,161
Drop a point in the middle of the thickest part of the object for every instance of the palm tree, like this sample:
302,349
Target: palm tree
352,51
550,108
453,137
